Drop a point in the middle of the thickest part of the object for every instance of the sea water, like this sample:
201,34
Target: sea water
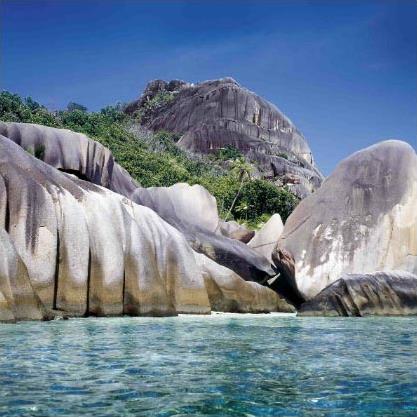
219,365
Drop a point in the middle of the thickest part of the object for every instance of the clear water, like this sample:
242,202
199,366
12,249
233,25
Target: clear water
210,366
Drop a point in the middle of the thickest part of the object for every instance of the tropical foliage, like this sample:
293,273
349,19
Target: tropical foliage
154,159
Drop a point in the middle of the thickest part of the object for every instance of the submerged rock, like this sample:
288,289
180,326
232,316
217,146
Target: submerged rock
380,293
362,219
213,115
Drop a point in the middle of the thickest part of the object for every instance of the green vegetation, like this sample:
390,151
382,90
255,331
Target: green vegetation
154,159
229,153
159,100
75,106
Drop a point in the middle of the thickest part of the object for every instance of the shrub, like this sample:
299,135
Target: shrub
154,159
228,152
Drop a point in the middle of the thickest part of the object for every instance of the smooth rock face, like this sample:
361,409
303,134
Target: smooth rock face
190,209
380,293
214,114
266,238
228,292
234,230
228,252
362,219
18,301
192,205
89,251
71,152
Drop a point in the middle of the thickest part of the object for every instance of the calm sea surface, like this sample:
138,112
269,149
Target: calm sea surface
222,365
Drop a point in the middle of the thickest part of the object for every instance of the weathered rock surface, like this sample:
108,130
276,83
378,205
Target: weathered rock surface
380,293
234,230
228,292
266,238
71,152
214,114
362,219
18,301
230,253
190,205
284,282
190,209
89,251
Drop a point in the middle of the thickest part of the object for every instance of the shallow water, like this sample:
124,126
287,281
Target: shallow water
222,365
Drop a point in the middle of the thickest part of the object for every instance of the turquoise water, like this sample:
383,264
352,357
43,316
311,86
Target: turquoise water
227,365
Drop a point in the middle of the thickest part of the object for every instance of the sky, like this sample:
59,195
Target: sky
343,71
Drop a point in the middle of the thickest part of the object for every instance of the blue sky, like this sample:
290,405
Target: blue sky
343,71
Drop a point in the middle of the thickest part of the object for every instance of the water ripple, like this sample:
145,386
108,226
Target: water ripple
210,366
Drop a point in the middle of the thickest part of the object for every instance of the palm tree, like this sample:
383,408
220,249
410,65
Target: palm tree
242,170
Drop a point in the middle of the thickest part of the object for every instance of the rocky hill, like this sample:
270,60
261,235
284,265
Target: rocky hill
222,115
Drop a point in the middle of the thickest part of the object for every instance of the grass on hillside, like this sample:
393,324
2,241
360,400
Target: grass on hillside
154,159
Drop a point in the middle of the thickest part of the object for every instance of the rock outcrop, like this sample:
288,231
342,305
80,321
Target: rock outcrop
190,209
215,114
266,238
71,152
189,205
89,251
228,292
234,230
362,219
18,301
230,253
380,293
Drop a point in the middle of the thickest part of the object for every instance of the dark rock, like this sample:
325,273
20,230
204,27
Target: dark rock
380,293
214,114
285,283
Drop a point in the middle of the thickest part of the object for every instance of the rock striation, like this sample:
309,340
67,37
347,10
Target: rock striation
191,210
18,300
379,293
196,223
71,246
71,152
215,114
362,219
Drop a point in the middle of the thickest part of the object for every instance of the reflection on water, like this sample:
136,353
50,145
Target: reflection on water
223,365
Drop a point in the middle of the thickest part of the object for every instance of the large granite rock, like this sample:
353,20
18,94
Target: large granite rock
190,205
362,219
228,292
380,293
18,301
89,251
234,230
266,238
71,152
230,253
191,210
215,114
